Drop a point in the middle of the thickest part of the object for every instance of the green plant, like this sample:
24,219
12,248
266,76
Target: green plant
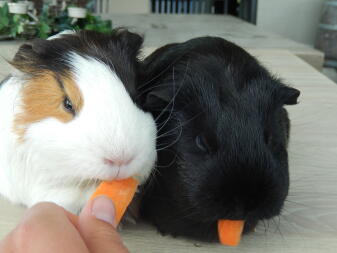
23,26
90,22
17,24
95,23
12,24
44,26
4,20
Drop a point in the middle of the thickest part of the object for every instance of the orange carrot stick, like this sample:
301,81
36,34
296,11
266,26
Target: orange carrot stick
230,231
120,192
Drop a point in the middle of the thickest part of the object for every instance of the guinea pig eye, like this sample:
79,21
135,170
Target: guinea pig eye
68,105
201,143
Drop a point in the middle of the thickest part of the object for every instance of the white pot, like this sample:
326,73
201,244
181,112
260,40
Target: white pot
30,5
77,12
2,3
18,8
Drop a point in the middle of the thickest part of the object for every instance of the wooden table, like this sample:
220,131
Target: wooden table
162,29
309,220
7,52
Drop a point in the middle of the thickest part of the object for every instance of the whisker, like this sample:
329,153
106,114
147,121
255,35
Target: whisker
169,133
151,88
173,102
184,123
277,226
175,95
161,73
174,142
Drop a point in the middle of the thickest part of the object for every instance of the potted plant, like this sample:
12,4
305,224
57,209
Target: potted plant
11,25
16,24
20,7
76,10
30,5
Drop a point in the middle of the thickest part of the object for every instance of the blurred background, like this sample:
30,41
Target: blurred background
295,19
306,28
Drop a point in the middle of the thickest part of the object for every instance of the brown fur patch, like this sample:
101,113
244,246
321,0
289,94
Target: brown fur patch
42,97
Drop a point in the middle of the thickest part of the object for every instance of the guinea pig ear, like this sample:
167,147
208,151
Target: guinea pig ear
28,57
289,95
131,41
159,97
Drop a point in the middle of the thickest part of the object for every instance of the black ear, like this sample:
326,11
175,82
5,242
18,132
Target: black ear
289,95
28,56
24,53
41,46
159,97
132,42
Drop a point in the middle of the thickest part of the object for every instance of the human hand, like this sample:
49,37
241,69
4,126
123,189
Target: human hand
47,227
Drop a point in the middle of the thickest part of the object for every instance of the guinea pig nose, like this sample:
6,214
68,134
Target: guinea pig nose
117,162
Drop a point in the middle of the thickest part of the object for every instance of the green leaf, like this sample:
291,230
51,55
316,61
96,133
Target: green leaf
2,14
4,18
16,18
20,28
13,31
90,19
4,11
90,27
4,22
43,30
76,27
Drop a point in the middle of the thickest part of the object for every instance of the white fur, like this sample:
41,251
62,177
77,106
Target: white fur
61,162
59,35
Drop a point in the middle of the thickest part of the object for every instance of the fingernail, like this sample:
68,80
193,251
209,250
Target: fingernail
104,210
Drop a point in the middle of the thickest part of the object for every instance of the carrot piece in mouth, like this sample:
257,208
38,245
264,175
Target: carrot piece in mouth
230,231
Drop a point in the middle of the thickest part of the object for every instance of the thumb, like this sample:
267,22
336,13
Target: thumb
98,228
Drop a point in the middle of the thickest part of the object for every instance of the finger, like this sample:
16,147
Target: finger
45,227
72,218
97,227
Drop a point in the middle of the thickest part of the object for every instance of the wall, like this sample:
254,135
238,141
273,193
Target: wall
129,6
295,19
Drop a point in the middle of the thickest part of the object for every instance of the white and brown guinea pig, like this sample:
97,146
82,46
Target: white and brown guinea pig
68,118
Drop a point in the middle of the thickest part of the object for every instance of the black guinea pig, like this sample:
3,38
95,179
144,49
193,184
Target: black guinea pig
222,138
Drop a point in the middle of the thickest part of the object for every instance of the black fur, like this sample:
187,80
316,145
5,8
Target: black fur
119,51
222,138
